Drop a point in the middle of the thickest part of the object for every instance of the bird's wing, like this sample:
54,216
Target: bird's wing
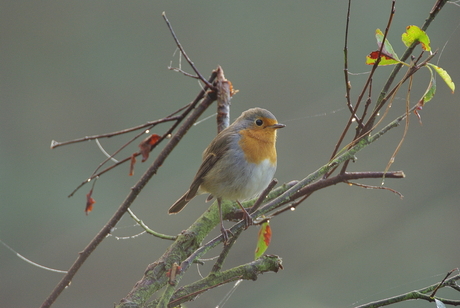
211,155
208,162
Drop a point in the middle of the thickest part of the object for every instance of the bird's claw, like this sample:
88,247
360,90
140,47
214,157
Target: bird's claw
248,221
225,233
246,216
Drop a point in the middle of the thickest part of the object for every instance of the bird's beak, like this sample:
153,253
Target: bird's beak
277,125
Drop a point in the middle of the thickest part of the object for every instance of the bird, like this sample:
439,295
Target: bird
238,164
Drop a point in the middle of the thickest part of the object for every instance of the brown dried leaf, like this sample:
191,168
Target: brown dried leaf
89,202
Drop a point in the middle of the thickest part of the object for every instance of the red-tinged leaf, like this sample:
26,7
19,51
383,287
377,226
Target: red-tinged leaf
147,144
415,34
264,238
89,202
387,48
131,165
384,59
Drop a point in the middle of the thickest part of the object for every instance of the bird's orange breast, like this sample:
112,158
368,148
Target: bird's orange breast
258,144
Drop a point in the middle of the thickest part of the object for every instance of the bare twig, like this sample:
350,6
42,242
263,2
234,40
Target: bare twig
417,294
149,125
307,190
207,83
148,230
262,196
376,187
345,65
442,282
124,160
406,128
368,81
225,250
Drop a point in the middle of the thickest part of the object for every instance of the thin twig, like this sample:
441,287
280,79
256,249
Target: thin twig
376,187
207,83
366,85
442,281
148,230
406,128
262,196
55,144
217,267
96,175
120,149
345,65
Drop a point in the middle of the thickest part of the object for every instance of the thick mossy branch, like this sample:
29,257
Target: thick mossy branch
248,271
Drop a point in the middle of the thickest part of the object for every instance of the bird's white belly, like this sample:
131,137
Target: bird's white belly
258,179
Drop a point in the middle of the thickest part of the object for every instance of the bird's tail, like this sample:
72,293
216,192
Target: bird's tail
179,204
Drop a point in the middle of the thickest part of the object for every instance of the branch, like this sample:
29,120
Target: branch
417,294
200,108
248,271
307,190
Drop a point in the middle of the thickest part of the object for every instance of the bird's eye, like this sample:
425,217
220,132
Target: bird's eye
259,122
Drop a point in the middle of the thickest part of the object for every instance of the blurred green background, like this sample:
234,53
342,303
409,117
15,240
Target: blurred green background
75,68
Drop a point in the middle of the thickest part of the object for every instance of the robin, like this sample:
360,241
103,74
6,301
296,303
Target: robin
238,164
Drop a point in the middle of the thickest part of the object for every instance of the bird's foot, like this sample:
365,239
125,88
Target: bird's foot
246,216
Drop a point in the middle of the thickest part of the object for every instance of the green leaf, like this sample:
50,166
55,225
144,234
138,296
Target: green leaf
415,34
430,91
387,48
444,75
264,238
